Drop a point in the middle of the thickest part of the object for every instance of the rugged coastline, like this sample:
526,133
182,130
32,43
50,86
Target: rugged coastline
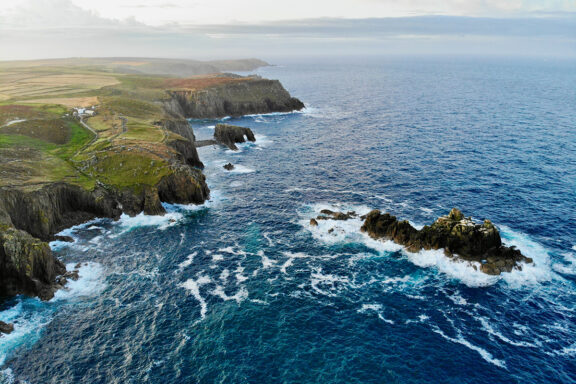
143,154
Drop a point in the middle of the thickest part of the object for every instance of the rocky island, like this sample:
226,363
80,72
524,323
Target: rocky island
83,138
458,236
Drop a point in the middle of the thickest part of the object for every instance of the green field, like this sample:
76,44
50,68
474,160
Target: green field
41,141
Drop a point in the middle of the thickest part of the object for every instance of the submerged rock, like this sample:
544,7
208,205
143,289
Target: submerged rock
229,135
229,166
6,328
459,236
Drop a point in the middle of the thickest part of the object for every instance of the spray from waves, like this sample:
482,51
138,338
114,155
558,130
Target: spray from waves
31,315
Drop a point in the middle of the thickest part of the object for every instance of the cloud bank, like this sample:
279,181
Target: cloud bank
60,28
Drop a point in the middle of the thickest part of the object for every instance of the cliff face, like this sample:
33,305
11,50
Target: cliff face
253,96
29,219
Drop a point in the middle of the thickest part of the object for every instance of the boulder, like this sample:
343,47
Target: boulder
313,222
459,236
229,166
6,328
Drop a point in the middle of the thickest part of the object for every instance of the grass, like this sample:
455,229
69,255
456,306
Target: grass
50,145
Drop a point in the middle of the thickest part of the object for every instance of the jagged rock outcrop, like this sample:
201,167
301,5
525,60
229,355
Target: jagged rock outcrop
229,135
458,236
229,166
252,96
187,145
26,265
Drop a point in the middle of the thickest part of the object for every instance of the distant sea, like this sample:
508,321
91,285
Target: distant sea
243,290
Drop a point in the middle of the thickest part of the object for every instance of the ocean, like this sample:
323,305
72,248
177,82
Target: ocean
244,290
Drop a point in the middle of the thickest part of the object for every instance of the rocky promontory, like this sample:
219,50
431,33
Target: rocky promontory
458,236
230,95
128,152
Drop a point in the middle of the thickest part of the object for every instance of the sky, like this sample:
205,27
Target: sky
212,29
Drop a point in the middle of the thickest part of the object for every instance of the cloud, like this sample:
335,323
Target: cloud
60,28
55,14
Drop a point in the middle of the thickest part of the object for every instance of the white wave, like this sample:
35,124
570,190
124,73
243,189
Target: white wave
272,114
490,329
333,231
455,268
28,325
189,260
217,257
568,267
141,220
286,265
266,262
377,308
461,340
327,284
239,274
193,287
224,275
236,184
538,271
239,168
90,283
239,297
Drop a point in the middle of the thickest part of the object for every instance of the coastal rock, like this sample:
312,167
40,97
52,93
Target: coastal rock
6,328
229,135
459,236
313,222
26,265
250,96
327,214
229,166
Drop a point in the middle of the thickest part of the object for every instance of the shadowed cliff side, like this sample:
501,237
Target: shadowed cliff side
236,98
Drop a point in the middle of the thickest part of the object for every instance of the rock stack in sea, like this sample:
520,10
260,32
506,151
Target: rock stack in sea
459,236
229,135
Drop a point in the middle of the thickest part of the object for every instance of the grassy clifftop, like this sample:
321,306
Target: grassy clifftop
124,144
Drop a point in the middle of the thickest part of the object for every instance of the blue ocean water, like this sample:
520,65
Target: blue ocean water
243,290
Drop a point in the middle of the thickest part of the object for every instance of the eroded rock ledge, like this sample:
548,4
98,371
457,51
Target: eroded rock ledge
460,237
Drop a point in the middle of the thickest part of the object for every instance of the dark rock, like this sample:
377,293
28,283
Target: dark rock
313,222
77,266
331,230
335,215
66,239
6,328
229,135
229,166
72,275
458,236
